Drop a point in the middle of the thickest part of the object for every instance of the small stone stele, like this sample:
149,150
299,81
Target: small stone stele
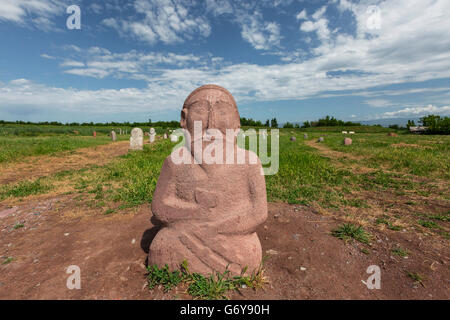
305,136
173,138
293,139
137,139
348,141
165,136
152,135
113,136
321,139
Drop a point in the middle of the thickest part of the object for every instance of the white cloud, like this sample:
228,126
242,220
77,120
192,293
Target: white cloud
379,103
260,34
168,21
46,56
301,15
22,92
27,13
318,23
72,63
418,111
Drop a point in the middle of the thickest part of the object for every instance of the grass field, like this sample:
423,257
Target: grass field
379,187
407,169
16,148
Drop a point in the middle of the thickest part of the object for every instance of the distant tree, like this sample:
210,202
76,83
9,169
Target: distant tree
436,124
274,123
267,123
288,125
394,126
297,126
410,124
306,124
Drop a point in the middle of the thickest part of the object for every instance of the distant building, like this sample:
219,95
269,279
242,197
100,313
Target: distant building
418,129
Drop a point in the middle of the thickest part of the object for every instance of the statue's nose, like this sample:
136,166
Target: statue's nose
211,120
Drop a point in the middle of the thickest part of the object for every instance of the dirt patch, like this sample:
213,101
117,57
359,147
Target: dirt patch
34,167
327,152
304,260
409,145
338,158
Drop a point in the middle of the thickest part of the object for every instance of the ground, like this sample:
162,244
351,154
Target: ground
44,233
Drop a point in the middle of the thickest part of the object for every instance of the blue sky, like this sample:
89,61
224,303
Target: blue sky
290,59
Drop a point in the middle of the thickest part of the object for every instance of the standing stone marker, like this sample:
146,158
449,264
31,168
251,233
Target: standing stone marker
137,139
165,135
293,139
173,138
321,139
348,141
209,212
113,136
305,136
152,135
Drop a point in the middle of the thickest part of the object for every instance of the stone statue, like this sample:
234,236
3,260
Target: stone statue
209,212
152,135
137,139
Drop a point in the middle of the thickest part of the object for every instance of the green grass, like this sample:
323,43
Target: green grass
384,220
19,225
15,148
305,177
24,189
428,224
400,252
213,287
8,260
441,217
422,155
349,231
416,277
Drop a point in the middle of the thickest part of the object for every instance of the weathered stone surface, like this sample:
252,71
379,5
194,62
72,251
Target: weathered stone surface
348,141
173,138
209,212
165,136
113,136
137,139
305,136
152,135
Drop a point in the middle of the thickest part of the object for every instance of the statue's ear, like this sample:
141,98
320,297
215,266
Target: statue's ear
183,118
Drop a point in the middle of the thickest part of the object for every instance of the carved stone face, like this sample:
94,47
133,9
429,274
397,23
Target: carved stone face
214,106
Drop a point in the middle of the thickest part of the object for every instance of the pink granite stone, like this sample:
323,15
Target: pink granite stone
209,212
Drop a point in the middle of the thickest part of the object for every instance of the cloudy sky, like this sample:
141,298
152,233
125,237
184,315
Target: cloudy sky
291,59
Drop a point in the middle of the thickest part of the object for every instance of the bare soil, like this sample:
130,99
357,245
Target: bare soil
40,166
304,260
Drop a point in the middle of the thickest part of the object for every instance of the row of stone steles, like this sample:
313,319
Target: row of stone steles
137,138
